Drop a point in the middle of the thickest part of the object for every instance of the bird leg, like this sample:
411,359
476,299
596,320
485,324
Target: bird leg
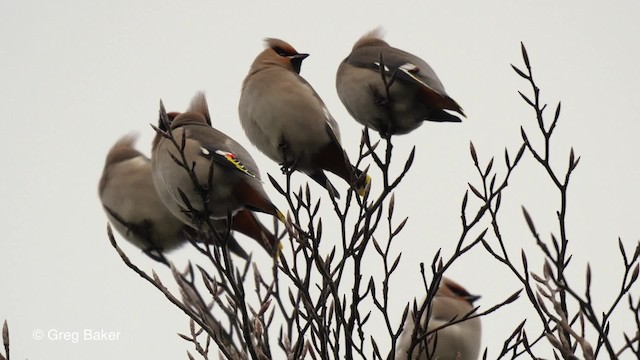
287,166
378,99
387,84
222,238
197,217
385,101
143,231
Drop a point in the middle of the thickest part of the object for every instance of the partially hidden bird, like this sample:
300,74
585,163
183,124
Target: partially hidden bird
390,90
283,116
134,208
201,174
451,302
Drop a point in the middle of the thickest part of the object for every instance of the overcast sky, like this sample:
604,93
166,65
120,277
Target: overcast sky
77,75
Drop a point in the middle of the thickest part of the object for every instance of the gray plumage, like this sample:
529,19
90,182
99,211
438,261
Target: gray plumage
134,208
415,93
224,170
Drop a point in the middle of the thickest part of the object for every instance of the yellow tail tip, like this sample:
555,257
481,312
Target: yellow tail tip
281,217
278,251
363,189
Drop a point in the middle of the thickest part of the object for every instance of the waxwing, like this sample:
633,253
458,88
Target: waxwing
228,184
412,93
451,302
285,118
134,208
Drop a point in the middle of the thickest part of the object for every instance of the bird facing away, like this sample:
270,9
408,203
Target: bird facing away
451,302
412,92
134,208
284,118
223,181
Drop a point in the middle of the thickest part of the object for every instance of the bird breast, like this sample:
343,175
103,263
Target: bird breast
287,112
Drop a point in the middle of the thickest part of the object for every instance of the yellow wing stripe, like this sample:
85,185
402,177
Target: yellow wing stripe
233,159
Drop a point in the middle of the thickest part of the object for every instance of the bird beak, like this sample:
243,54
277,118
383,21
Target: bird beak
472,298
299,56
296,61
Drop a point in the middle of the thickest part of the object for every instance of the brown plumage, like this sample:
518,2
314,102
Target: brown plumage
285,118
452,301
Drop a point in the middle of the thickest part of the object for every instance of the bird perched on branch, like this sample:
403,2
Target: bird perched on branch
390,90
284,117
451,302
203,174
134,208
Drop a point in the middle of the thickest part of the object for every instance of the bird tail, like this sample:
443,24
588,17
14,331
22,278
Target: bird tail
362,181
442,116
334,159
246,222
321,178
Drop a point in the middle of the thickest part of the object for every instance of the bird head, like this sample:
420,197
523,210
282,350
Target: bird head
279,52
452,289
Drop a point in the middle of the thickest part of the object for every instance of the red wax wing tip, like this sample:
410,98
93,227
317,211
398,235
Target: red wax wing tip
228,155
232,158
410,68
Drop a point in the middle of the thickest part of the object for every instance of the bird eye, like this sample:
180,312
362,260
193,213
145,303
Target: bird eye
458,290
280,51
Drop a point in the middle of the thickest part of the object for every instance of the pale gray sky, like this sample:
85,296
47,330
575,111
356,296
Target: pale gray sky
77,75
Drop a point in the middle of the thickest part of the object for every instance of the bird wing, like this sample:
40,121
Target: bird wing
226,159
407,67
